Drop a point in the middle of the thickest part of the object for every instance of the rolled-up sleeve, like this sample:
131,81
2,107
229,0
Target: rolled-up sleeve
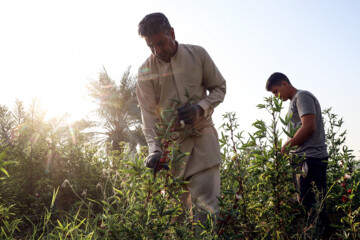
213,81
148,106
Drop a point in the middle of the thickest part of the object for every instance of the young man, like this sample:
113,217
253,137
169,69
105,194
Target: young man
309,138
172,71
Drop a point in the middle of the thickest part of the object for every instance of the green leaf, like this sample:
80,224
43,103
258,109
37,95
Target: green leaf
260,106
283,121
287,133
4,171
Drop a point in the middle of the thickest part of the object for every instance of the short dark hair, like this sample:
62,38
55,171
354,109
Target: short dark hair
153,23
275,80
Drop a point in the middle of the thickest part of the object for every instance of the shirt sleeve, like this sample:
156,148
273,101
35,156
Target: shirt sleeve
214,82
148,106
305,104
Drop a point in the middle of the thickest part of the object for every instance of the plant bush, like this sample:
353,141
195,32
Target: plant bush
95,193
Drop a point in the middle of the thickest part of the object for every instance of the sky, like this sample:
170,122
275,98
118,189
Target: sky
50,50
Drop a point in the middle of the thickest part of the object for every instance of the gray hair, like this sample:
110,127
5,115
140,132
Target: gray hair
153,23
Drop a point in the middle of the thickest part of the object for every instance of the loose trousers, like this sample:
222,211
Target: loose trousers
316,173
202,191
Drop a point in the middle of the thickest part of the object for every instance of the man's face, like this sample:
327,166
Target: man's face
162,45
282,89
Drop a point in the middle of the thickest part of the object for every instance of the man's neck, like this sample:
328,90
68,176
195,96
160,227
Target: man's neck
292,93
176,48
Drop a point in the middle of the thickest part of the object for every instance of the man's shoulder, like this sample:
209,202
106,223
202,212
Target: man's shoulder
193,51
147,66
147,71
304,94
304,97
191,47
148,62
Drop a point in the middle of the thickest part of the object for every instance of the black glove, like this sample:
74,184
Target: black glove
153,161
190,113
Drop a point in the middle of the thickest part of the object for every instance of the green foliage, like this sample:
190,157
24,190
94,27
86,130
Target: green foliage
65,186
343,203
257,188
7,225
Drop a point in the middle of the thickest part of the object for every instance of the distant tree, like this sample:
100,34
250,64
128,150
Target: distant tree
118,109
19,113
6,125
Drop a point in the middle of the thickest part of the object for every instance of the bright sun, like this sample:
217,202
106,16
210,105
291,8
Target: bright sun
65,98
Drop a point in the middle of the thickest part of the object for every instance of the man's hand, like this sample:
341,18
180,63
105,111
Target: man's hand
153,161
191,113
308,126
284,148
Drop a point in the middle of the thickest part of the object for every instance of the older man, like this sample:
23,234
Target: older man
182,71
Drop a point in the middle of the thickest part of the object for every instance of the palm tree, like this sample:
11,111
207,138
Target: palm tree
118,109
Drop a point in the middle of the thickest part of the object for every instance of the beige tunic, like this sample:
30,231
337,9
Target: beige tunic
191,70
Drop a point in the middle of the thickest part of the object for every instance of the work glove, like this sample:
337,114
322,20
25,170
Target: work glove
153,161
190,113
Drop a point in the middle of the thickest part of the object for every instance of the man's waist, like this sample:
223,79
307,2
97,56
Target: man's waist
196,129
313,152
204,122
